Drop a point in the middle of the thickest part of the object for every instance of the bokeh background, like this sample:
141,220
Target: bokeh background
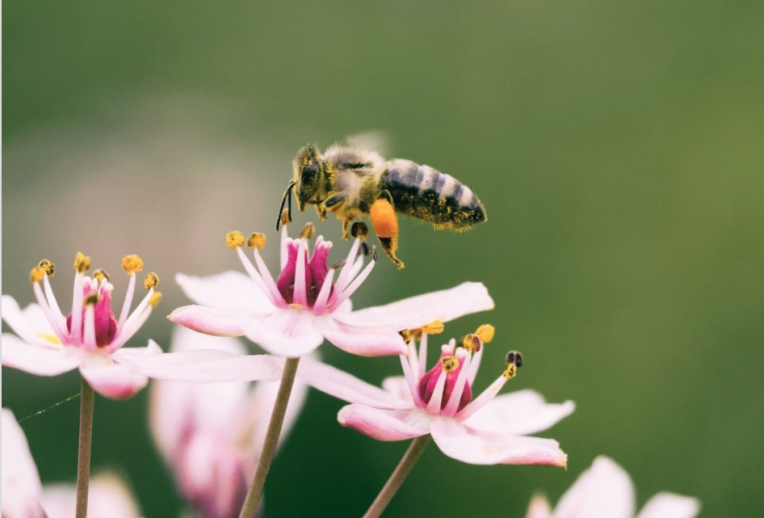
617,146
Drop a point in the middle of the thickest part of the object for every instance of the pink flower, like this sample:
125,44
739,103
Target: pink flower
605,491
210,435
25,497
91,339
488,429
309,302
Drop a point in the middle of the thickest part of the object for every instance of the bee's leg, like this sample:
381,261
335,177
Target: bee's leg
384,220
334,200
321,211
346,223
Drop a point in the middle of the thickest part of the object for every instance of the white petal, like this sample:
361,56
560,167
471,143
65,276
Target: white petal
211,321
397,386
112,380
383,425
39,360
21,486
414,312
108,497
602,491
669,505
232,290
539,508
520,413
287,332
459,443
347,387
30,324
362,341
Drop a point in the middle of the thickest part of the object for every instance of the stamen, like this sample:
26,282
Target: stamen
433,328
285,218
256,240
132,263
155,299
422,356
359,230
90,334
300,294
449,363
81,262
433,406
514,361
37,274
151,281
460,385
101,275
48,266
234,239
486,333
90,300
338,265
472,343
308,231
323,296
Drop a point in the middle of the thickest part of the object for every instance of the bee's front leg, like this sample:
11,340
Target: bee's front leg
321,211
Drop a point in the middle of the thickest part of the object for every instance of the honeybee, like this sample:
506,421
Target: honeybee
349,182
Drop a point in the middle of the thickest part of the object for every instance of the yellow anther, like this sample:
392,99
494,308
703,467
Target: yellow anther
90,299
81,262
151,281
295,305
132,263
37,274
511,371
285,218
472,343
433,328
308,231
155,299
449,363
359,229
256,241
234,239
486,333
100,275
48,266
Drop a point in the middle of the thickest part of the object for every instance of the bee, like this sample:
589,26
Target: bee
349,182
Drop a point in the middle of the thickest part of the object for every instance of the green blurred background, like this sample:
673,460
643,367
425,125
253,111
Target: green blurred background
617,146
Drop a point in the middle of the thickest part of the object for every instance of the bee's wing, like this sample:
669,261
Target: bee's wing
376,140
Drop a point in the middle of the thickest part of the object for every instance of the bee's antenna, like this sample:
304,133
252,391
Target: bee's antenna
284,198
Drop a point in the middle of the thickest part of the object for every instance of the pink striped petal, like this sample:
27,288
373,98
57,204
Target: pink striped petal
520,413
210,321
383,425
231,290
602,491
457,442
112,380
669,505
347,387
38,360
21,486
539,508
414,312
200,366
288,332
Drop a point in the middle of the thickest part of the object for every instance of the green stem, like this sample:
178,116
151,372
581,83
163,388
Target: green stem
87,404
249,509
416,448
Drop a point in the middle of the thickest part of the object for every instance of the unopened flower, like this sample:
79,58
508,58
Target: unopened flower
25,497
210,435
310,301
487,429
50,343
606,491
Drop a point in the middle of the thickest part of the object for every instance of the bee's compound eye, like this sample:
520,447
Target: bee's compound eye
309,172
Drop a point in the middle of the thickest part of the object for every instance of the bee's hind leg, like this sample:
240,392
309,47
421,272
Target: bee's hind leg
384,220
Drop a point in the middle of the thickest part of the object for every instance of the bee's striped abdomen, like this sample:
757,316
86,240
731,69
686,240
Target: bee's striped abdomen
428,194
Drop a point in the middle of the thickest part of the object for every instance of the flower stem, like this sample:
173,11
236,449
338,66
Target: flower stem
249,508
416,448
87,404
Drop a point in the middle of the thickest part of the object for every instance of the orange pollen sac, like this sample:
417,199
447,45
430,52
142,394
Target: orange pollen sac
383,219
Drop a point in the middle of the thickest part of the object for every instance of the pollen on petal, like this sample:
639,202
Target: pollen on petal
151,281
48,266
81,262
234,239
433,328
37,274
256,241
132,263
101,275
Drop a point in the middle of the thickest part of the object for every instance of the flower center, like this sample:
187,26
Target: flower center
105,322
449,364
315,271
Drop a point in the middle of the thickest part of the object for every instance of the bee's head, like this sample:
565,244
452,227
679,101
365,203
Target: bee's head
309,175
